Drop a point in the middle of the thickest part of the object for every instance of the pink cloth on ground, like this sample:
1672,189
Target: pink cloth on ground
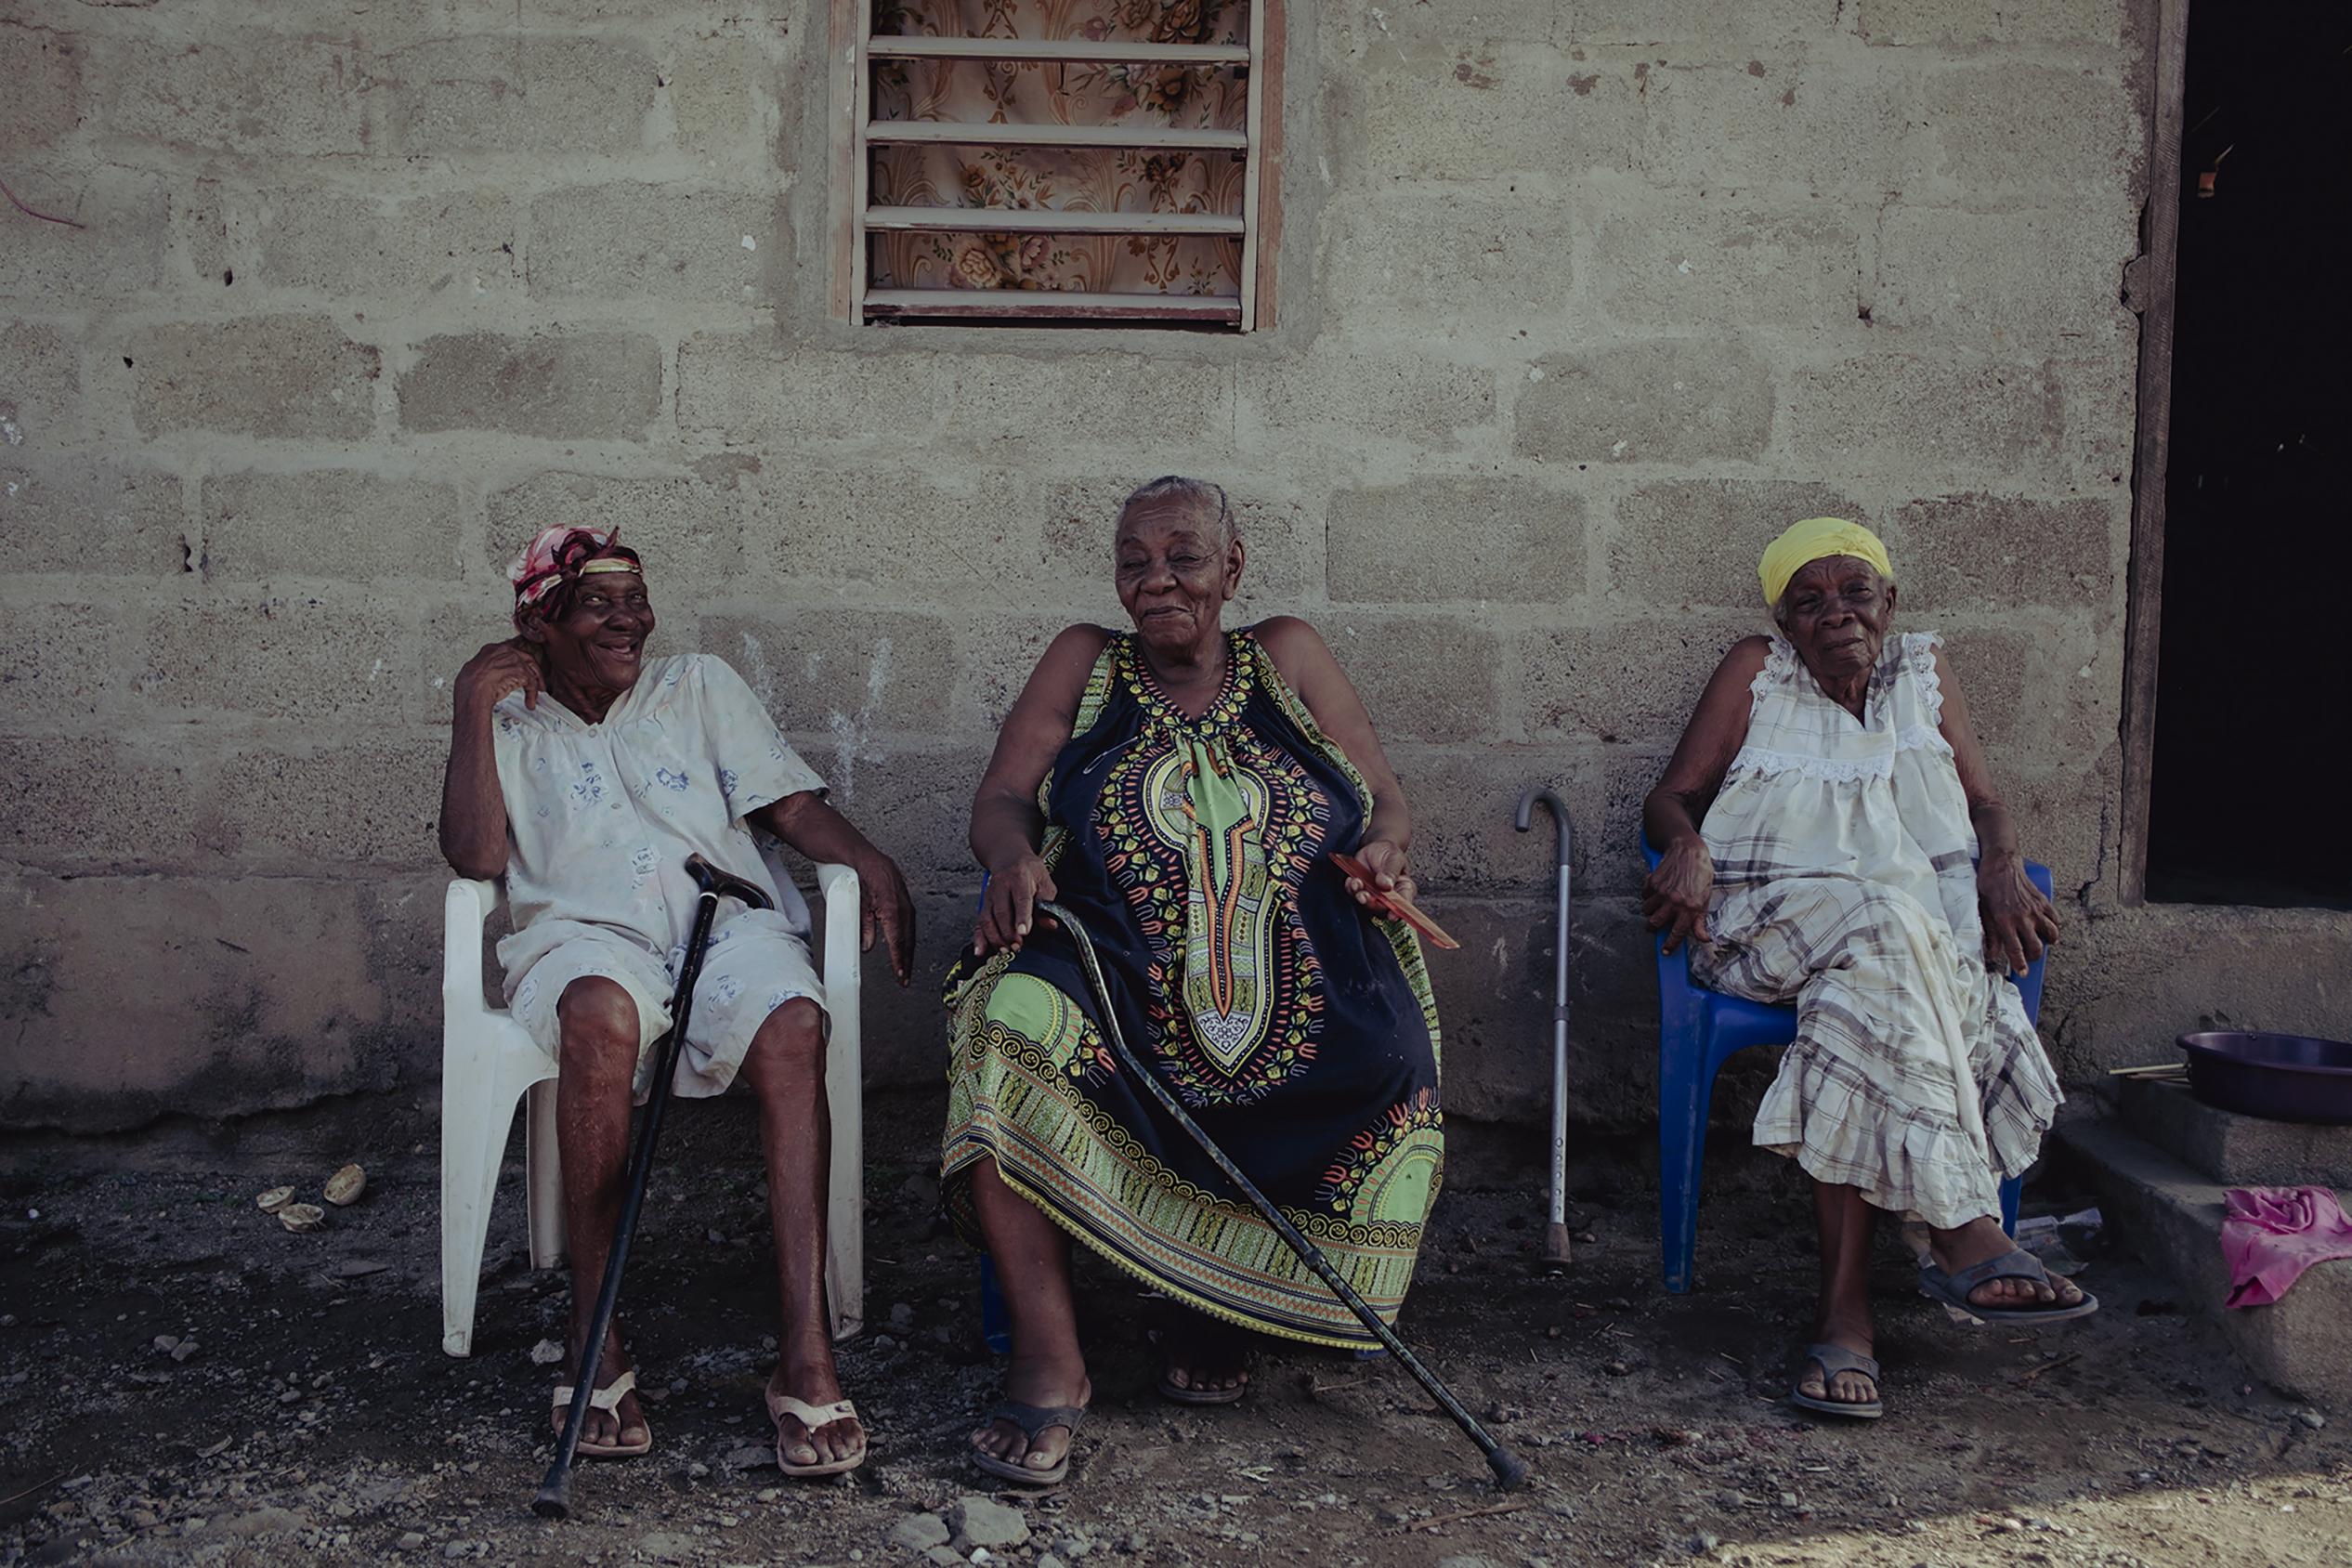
2271,1234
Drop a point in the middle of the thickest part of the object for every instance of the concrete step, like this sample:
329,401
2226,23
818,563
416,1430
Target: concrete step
2237,1151
2171,1215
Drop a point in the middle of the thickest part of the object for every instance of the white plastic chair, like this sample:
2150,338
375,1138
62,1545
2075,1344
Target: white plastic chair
487,1062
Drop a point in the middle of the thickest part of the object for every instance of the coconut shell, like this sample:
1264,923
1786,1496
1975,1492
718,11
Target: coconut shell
345,1186
274,1200
299,1217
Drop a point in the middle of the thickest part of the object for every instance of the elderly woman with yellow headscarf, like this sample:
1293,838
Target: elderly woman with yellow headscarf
1829,835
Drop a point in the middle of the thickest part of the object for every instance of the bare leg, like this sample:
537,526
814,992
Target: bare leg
1967,1245
1844,1224
786,1070
598,1022
1033,1270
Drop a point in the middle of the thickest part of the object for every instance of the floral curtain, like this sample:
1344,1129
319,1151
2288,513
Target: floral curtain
1075,180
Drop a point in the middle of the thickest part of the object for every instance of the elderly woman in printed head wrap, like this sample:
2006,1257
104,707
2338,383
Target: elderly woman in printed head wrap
1830,835
584,773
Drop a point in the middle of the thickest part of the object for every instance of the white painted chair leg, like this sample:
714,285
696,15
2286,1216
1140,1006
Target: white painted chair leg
543,1179
844,1091
475,1120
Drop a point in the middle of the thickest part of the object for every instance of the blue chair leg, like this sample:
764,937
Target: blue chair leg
2011,1190
1686,1083
996,1324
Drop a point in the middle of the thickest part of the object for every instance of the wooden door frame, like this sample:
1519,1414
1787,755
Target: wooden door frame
2149,288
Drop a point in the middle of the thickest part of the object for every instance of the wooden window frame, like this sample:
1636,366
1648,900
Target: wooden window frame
854,132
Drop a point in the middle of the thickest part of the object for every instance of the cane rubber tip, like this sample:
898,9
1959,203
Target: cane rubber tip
548,1506
1510,1470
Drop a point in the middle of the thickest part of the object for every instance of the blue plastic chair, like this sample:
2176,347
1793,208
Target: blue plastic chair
1698,1031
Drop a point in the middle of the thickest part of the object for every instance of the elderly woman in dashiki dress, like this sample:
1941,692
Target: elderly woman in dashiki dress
1820,827
1179,789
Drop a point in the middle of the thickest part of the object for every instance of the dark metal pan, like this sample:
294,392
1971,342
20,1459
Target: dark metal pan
2286,1078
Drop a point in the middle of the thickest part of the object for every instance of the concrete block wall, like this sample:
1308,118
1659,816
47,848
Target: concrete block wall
1579,304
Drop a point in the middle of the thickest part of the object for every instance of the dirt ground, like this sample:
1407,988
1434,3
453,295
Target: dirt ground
316,1415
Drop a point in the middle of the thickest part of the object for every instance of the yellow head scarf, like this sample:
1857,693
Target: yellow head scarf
1817,539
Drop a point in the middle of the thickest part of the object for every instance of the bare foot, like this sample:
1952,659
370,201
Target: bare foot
1982,1240
814,1383
623,1426
1042,1382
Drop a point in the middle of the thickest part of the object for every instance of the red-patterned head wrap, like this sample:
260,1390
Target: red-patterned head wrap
561,555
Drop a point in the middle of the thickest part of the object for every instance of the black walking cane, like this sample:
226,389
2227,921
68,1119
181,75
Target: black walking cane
1509,1469
555,1493
1555,1258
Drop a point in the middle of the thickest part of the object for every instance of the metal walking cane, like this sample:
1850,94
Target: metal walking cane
1555,1258
1510,1470
554,1500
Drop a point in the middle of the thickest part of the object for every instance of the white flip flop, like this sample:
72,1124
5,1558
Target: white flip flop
811,1417
607,1399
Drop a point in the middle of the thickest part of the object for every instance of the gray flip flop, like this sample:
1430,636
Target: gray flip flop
1032,1419
1953,1290
1834,1360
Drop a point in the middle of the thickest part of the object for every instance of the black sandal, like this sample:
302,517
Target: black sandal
1032,1419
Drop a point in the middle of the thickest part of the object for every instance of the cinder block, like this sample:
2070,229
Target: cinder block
1922,415
585,385
1457,537
1663,399
313,809
748,387
648,241
845,670
1697,542
40,385
905,1031
1627,683
1707,22
86,515
2098,22
2005,280
1972,551
2066,820
1364,402
63,660
2098,395
281,658
688,528
1673,263
1424,677
1779,123
1001,399
332,523
720,103
2004,679
1487,110
250,994
96,801
296,376
51,262
995,655
43,73
903,530
460,244
526,93
1282,538
2001,129
1463,799
914,802
1414,258
245,91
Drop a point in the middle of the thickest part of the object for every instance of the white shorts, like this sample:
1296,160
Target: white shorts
750,971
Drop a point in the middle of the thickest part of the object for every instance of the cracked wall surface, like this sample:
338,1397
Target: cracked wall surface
1580,304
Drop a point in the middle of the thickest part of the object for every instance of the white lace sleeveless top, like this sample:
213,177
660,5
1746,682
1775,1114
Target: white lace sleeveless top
1815,791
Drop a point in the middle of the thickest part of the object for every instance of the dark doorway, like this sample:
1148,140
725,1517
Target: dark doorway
2255,657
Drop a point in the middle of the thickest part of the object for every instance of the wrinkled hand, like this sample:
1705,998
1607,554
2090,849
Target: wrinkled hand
889,911
1009,908
1674,898
2018,922
1386,862
499,669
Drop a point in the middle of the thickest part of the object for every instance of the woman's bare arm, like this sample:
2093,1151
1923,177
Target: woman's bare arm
1674,898
2018,922
1306,663
1007,828
473,808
